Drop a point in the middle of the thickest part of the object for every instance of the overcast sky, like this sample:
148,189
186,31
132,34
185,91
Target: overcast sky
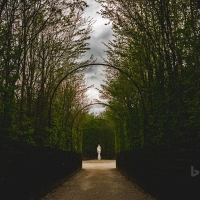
101,33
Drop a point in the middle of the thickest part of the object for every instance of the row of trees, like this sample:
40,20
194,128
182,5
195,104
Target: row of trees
40,42
157,44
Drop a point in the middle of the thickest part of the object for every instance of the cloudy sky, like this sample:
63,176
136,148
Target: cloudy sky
101,33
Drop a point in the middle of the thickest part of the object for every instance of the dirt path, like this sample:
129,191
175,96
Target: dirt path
99,179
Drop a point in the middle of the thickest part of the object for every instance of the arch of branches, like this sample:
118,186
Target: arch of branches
88,105
93,64
84,107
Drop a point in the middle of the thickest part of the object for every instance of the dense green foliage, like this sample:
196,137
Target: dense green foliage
157,44
98,131
40,41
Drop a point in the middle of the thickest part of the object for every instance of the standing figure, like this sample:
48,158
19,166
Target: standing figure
99,151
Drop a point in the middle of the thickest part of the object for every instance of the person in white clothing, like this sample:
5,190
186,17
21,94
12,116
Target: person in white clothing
99,151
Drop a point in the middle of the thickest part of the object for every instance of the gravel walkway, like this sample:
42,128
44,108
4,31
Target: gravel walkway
99,179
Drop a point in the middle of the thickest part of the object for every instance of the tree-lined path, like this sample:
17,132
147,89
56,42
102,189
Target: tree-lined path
150,88
98,180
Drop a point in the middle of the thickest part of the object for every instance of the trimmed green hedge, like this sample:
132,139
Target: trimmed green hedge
29,172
